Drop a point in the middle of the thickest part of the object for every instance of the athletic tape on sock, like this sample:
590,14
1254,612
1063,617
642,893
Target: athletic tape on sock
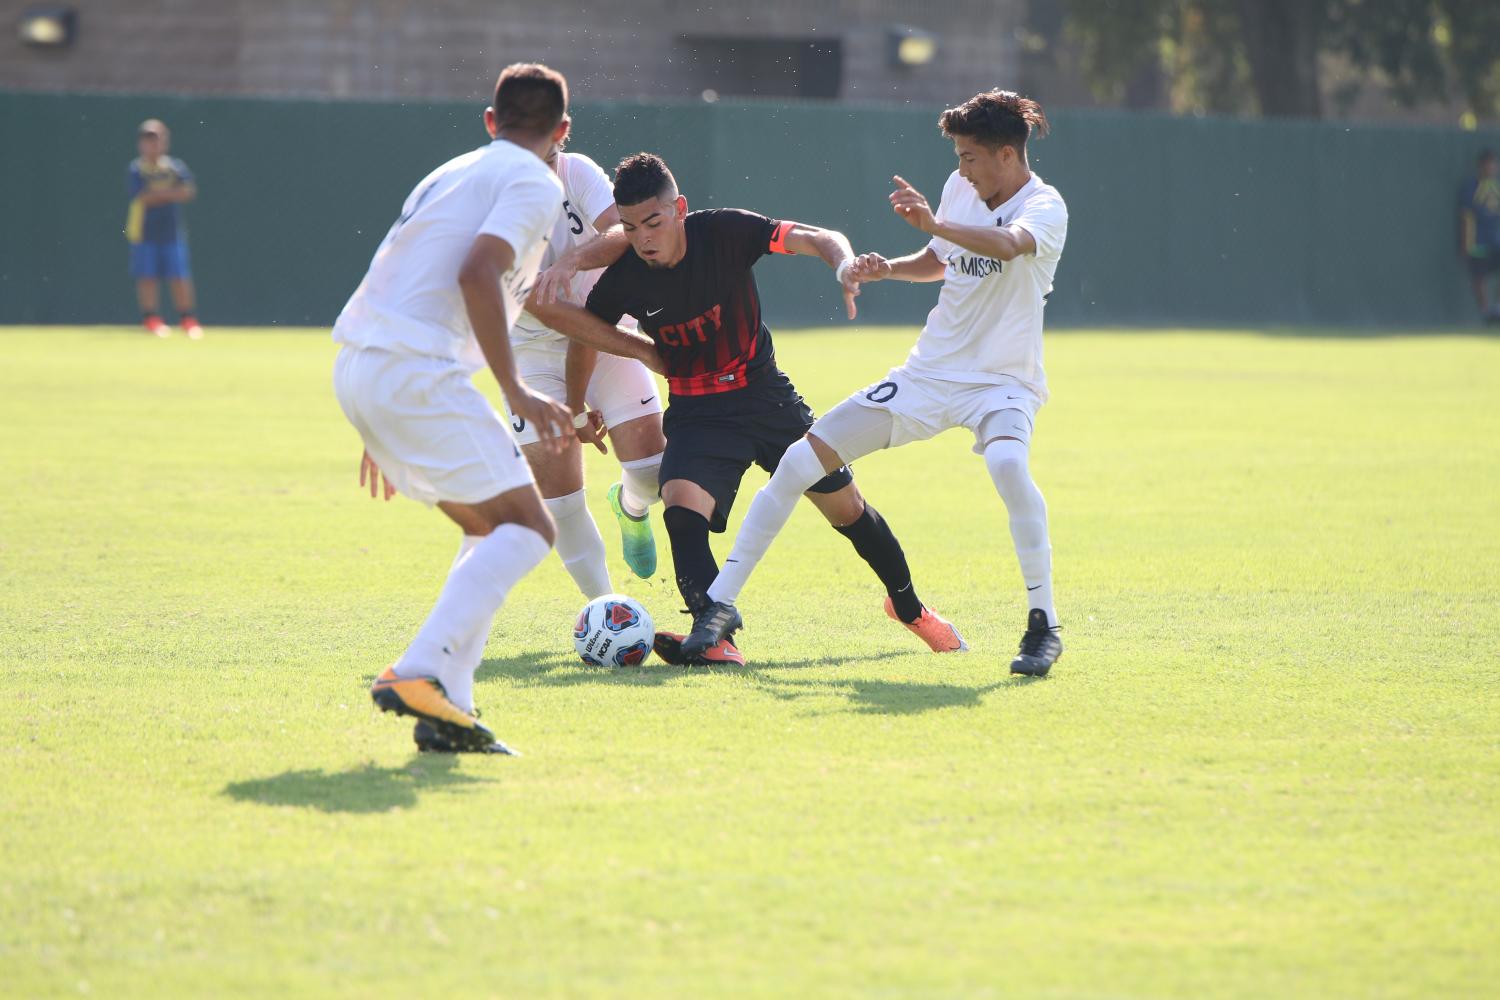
640,484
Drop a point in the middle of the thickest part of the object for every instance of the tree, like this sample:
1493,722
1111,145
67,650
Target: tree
1281,40
1265,56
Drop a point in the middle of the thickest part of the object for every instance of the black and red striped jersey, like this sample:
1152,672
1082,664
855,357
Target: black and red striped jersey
703,313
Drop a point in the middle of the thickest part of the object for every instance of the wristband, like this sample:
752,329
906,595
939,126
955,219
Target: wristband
580,420
842,269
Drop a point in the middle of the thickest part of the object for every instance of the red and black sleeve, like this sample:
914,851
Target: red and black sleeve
750,235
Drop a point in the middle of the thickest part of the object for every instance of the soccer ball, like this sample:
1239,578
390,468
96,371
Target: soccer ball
613,631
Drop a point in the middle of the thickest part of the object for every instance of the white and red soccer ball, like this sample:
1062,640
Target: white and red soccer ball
613,631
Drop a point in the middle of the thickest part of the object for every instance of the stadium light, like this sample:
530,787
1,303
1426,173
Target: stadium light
48,27
910,47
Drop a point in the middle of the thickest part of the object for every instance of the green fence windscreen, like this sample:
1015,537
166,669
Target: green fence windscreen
1173,221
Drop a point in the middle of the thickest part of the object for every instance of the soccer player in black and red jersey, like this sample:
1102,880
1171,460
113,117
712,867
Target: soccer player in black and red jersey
687,279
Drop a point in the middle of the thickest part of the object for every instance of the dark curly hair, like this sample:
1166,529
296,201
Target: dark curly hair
642,177
995,118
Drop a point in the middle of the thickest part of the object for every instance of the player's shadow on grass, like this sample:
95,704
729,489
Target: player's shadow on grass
552,669
868,697
873,697
366,789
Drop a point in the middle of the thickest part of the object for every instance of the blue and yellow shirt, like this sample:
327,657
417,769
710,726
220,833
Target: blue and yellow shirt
1479,202
159,223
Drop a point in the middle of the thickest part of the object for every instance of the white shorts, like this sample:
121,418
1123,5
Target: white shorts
432,433
917,407
622,389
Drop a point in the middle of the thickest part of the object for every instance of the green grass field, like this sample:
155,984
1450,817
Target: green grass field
1267,765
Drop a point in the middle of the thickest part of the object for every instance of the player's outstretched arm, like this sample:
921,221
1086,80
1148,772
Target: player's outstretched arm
577,323
924,265
603,250
1002,243
479,279
833,246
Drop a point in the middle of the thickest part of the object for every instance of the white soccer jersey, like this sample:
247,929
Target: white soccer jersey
587,194
987,324
409,301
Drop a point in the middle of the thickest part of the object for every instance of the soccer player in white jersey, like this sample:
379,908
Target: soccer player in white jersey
607,394
995,242
436,305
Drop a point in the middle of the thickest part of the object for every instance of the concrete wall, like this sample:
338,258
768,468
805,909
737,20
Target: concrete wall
382,49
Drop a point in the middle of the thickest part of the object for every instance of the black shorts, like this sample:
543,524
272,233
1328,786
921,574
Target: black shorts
1483,267
712,440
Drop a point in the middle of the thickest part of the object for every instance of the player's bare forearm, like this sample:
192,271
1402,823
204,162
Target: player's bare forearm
487,316
923,265
830,244
1002,243
555,283
601,251
578,324
479,282
578,369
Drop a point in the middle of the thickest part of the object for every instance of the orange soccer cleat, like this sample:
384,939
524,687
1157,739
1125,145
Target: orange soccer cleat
933,629
668,648
424,698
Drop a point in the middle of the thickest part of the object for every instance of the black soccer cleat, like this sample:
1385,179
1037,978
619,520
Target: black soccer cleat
1040,646
429,740
711,626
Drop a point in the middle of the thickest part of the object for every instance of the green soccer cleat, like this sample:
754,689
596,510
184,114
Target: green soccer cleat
635,536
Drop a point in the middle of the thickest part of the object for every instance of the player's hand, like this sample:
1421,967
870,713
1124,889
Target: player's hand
370,473
870,267
555,283
850,286
553,421
911,205
594,431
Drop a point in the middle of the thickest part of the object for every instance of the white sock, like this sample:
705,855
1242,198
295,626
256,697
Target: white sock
799,469
579,544
639,478
475,590
459,682
472,653
469,651
1007,461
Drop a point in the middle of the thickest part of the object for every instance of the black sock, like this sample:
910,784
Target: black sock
877,545
691,556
